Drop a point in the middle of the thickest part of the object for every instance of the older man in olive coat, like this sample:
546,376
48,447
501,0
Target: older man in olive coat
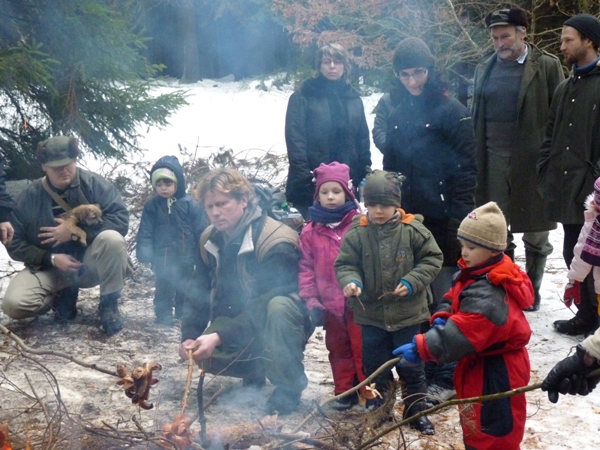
512,95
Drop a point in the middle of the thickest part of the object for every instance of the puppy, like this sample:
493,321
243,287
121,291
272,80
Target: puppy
85,215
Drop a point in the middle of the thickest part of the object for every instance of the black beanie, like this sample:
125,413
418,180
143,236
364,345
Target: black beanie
383,188
412,52
587,25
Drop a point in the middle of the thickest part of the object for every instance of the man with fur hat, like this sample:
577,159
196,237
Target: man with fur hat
56,263
387,261
570,154
482,326
513,90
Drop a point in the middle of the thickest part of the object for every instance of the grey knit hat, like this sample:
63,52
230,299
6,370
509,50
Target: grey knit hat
587,25
412,52
383,188
486,227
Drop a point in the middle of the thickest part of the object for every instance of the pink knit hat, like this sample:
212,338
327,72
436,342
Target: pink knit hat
597,192
334,171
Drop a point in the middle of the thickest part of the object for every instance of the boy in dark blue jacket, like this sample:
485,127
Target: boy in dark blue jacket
168,237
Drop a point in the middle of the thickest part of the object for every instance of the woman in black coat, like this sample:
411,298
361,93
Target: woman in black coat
325,122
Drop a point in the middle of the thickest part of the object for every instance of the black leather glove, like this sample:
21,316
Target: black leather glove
569,376
316,317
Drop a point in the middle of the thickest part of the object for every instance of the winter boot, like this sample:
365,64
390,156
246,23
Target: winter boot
283,401
65,304
535,264
110,318
164,316
422,424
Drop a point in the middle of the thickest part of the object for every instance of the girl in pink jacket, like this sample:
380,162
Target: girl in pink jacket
331,215
587,250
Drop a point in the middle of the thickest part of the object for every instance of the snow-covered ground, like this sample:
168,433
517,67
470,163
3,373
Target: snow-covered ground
239,116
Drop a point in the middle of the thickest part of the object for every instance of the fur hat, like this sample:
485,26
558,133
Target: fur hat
163,173
412,52
486,227
334,171
57,151
587,25
513,16
383,188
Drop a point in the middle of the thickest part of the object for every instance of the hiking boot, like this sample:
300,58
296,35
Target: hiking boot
437,394
110,317
344,403
283,402
64,304
421,424
575,326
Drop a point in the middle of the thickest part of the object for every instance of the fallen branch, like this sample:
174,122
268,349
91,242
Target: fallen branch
34,351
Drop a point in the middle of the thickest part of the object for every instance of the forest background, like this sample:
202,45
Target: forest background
92,68
86,67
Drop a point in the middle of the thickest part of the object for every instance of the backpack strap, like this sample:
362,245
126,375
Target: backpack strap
274,233
57,198
203,240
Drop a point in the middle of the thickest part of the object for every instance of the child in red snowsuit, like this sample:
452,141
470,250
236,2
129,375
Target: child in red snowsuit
482,326
334,207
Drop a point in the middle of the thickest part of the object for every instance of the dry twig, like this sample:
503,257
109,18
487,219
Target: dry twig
34,351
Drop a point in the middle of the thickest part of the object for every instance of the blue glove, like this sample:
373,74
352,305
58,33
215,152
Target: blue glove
408,353
438,321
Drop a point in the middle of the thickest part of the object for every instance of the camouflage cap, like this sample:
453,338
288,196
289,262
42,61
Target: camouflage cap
57,151
383,188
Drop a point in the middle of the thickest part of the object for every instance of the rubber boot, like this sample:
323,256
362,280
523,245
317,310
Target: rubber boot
535,264
110,317
65,304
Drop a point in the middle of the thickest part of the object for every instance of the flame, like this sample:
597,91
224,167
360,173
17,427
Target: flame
4,444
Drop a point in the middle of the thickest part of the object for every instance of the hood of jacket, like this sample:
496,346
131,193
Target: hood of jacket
172,163
509,275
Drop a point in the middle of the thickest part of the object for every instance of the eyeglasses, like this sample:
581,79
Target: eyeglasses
416,75
328,62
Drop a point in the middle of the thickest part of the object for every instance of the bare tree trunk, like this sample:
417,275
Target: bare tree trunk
187,22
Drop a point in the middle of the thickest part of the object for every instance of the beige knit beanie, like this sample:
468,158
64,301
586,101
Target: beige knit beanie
486,227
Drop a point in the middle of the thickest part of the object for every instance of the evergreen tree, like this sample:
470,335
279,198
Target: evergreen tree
74,67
